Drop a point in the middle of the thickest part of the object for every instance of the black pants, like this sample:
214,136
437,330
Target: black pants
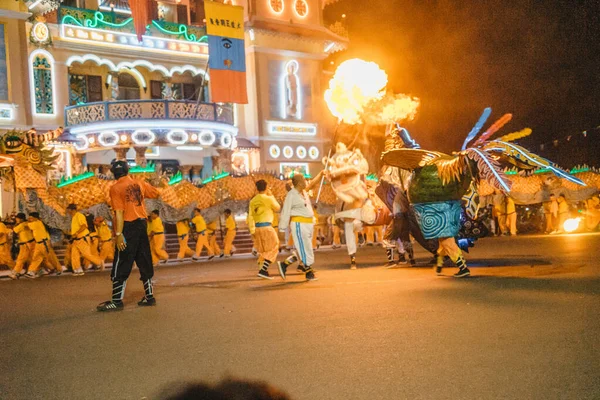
137,250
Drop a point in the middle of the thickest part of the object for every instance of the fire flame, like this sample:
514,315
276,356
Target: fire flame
357,94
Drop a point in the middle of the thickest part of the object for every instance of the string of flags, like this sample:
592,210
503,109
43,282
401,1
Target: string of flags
585,134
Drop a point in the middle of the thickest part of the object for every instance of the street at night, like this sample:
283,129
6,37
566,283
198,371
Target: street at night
524,325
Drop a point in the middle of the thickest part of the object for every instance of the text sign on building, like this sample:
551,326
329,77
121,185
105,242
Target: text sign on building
129,40
291,128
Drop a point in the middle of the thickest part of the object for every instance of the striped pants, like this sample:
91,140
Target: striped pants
302,234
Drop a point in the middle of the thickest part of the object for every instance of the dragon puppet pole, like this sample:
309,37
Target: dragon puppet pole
327,162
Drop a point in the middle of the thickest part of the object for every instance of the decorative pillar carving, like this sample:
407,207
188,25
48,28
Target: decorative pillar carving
185,171
140,156
114,85
196,172
168,94
78,163
121,153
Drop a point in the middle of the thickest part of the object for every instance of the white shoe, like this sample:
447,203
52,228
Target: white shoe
195,258
31,275
12,275
78,272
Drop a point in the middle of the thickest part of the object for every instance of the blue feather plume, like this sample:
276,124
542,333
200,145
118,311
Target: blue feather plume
484,116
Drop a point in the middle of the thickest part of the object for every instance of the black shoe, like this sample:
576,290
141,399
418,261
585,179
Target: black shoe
264,274
412,262
110,306
147,302
301,269
310,276
438,271
210,257
462,273
402,258
391,264
222,255
282,269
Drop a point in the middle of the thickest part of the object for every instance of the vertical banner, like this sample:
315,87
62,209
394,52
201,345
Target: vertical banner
226,52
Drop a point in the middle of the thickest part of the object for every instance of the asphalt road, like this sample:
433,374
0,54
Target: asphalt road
525,326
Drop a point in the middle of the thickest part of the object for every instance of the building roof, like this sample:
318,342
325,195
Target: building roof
300,31
243,143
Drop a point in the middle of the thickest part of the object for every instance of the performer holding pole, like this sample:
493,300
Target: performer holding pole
127,196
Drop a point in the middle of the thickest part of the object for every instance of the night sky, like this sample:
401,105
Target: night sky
539,60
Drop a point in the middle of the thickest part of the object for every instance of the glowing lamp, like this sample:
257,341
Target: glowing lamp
123,138
571,225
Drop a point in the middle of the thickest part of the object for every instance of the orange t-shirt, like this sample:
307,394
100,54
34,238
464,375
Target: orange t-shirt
128,195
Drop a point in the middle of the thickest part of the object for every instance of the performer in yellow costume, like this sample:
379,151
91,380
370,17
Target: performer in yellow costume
211,230
26,245
183,235
157,238
42,252
107,246
5,257
230,232
201,236
80,237
260,223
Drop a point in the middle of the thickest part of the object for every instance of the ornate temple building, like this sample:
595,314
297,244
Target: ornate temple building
78,64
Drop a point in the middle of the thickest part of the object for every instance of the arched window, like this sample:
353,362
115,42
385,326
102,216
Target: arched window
129,89
42,76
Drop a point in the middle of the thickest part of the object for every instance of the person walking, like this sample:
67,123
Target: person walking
183,235
261,212
132,245
157,239
5,256
81,244
201,236
511,216
230,232
107,246
211,231
563,213
335,230
41,252
26,245
298,214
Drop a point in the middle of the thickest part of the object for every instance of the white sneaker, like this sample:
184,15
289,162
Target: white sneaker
31,275
78,272
12,275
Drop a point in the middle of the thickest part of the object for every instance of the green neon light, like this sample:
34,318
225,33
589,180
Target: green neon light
78,178
138,169
542,171
510,173
579,170
372,177
215,177
183,30
176,179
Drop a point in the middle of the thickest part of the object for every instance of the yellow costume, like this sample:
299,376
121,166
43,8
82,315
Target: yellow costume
211,230
511,216
260,224
202,239
107,246
81,245
42,251
592,216
5,257
231,229
157,238
26,246
183,234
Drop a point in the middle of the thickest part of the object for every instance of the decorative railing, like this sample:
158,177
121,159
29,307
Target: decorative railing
123,110
80,17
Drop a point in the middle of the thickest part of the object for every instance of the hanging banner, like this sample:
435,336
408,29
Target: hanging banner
226,52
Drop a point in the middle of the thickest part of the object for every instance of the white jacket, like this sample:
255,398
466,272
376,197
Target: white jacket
296,204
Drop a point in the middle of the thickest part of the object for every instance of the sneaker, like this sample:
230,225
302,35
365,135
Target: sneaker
301,269
210,257
254,252
438,271
12,275
147,302
78,272
402,259
195,258
282,269
110,306
310,276
462,273
264,274
413,262
353,265
390,264
221,255
164,261
31,275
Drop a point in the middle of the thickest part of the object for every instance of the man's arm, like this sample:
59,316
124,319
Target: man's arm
274,204
314,181
150,192
284,218
119,222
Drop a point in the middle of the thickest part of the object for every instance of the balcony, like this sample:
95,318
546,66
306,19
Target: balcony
147,110
109,29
